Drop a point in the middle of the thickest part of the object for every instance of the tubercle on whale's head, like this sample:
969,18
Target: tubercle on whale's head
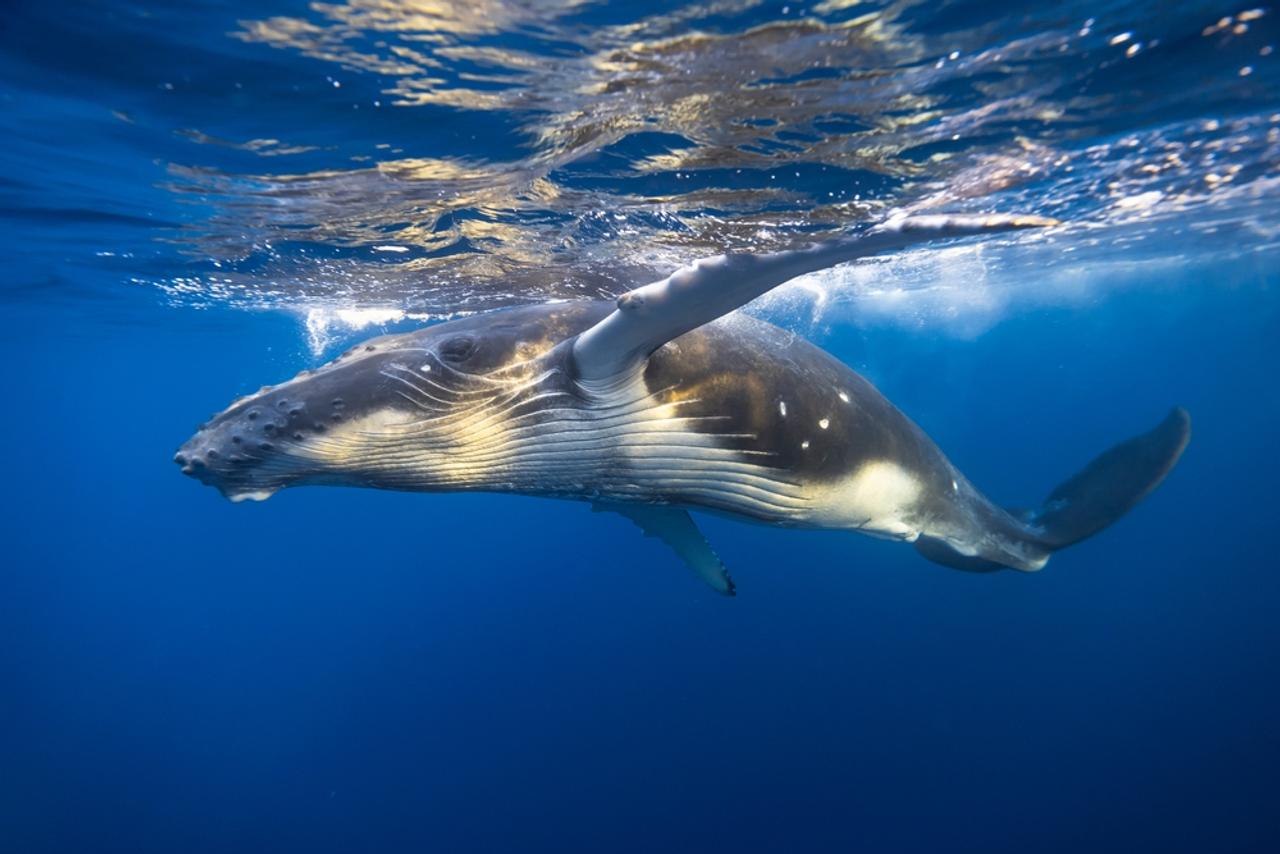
268,440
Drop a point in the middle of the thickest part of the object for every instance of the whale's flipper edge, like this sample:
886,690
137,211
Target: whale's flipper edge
675,527
1090,500
653,314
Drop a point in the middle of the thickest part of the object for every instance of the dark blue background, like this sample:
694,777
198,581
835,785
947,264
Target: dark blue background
343,670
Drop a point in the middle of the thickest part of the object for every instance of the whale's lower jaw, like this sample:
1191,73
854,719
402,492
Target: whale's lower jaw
634,455
624,462
538,439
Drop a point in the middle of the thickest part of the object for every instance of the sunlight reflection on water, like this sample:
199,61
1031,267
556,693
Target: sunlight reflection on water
649,140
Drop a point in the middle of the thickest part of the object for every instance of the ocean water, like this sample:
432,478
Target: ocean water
201,197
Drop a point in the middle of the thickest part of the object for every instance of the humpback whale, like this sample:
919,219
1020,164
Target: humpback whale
661,402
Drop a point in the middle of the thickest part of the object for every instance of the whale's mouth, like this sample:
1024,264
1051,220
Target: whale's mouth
237,476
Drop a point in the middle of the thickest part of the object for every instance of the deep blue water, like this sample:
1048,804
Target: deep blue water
201,197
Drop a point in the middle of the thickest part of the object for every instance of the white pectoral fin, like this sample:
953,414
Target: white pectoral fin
677,529
651,315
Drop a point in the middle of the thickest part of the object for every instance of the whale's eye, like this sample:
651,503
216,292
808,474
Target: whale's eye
458,349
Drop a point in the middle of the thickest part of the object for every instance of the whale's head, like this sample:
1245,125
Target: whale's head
430,409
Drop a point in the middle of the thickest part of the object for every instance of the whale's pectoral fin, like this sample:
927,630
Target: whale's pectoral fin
651,315
677,529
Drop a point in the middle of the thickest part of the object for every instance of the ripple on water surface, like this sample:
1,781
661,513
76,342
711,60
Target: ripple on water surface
409,159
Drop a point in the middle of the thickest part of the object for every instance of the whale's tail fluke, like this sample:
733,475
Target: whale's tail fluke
1112,484
1079,507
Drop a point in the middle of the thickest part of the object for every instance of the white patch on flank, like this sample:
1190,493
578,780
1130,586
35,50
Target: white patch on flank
824,423
804,446
257,495
874,499
782,408
844,396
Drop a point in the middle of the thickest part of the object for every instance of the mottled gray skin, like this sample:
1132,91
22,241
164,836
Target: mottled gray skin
736,416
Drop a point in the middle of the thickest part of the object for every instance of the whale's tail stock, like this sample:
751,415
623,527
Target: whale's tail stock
1079,507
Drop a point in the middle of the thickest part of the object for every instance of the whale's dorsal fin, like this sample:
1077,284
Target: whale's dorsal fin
677,529
651,315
